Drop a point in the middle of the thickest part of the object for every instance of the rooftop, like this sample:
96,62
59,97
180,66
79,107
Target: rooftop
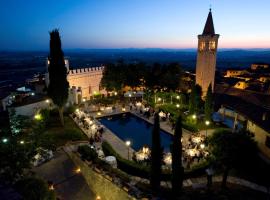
209,25
249,110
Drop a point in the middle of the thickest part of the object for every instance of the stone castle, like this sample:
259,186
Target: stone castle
84,83
206,56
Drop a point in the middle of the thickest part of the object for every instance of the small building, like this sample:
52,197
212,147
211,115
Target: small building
256,117
234,72
264,78
241,85
257,66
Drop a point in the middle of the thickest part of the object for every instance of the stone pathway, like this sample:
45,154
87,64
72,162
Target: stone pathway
117,144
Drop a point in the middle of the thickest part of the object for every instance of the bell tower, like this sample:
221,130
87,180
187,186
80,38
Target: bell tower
206,55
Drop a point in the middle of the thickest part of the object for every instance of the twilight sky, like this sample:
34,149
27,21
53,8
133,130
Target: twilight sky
24,24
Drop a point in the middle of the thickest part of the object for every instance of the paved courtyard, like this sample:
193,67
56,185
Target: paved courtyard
68,184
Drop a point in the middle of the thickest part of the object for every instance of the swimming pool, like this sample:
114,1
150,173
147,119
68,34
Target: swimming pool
130,127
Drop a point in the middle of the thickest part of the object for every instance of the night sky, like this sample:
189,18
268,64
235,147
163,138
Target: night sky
132,23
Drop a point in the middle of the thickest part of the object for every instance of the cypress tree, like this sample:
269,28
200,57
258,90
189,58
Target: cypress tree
156,155
195,99
177,168
192,99
58,85
208,105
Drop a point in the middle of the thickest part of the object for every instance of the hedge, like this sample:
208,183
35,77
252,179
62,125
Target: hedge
125,165
143,171
189,126
87,153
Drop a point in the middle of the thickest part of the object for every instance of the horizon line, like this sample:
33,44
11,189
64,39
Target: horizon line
132,48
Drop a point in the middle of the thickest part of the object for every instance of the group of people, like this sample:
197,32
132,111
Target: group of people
87,122
194,150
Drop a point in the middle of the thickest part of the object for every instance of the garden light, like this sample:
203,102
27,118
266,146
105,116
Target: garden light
78,170
128,143
4,140
38,116
202,146
98,198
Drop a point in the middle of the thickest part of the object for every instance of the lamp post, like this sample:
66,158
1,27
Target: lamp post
207,124
4,140
128,144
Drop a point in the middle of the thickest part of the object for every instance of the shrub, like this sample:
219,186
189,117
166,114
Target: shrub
35,188
190,127
87,153
71,109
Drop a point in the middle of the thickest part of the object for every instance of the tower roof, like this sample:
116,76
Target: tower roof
209,25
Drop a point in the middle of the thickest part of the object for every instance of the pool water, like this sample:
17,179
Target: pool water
130,127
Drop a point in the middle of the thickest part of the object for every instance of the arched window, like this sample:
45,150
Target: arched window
202,46
212,45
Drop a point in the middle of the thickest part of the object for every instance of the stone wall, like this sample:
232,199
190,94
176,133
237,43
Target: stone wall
87,80
99,185
31,109
260,137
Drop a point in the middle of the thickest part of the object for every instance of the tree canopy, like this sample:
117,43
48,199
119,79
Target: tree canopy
232,150
157,76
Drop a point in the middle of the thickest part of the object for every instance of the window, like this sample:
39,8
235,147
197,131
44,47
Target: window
212,45
267,141
202,46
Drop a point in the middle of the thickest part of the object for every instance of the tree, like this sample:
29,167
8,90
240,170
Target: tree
177,168
113,76
208,105
156,155
33,188
195,100
232,150
17,122
171,76
58,85
16,157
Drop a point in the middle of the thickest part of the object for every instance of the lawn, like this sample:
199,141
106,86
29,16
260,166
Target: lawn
55,135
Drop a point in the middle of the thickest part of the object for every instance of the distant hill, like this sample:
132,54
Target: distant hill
18,66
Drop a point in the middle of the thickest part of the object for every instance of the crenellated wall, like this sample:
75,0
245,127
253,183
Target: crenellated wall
83,82
86,81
